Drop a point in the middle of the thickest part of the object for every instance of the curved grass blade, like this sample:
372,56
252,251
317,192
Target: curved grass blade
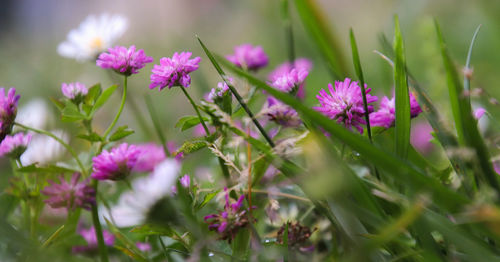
402,110
399,169
467,63
467,125
315,22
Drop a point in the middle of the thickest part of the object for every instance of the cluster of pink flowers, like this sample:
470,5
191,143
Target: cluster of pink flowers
14,145
8,110
290,81
117,164
174,71
74,91
386,115
90,236
70,195
344,104
221,89
228,222
124,61
249,57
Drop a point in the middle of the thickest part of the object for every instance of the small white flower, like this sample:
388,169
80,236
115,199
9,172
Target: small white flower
44,149
94,35
133,205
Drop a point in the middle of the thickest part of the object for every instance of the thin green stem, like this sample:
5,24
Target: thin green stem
60,141
196,109
289,32
124,98
156,123
103,251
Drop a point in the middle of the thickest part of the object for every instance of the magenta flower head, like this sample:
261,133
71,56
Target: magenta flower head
300,64
228,222
386,115
8,110
174,71
221,89
74,91
117,164
70,195
290,82
281,113
90,236
143,246
15,145
421,136
185,181
344,103
150,155
124,61
249,57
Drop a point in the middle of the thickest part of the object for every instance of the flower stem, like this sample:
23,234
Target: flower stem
196,109
103,251
156,123
124,98
60,141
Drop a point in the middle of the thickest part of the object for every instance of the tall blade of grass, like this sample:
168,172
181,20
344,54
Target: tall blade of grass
467,63
399,169
316,24
359,73
463,113
287,23
402,110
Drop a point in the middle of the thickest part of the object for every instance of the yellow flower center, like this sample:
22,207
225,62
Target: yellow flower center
96,43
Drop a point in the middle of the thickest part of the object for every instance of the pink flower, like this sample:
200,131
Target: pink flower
228,222
74,91
281,113
248,56
218,92
174,71
344,104
8,110
150,155
479,112
90,236
289,81
124,61
496,166
421,137
185,181
300,64
72,195
15,145
117,164
386,115
143,246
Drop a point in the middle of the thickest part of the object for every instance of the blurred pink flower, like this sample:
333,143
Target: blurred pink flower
281,113
185,181
8,110
74,90
90,236
124,61
174,71
421,137
249,57
300,64
117,164
14,145
386,115
287,82
150,155
143,246
70,195
479,112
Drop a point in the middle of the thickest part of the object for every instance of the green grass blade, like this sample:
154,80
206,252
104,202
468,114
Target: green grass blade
287,24
462,111
469,55
359,73
316,24
399,169
402,111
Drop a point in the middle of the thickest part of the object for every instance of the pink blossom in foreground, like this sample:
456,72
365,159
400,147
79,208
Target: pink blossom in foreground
281,113
386,115
421,137
14,145
90,236
249,57
117,164
344,103
228,222
74,90
8,110
300,64
174,71
70,195
124,61
287,82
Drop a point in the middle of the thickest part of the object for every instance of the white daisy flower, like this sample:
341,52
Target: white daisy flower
94,35
133,206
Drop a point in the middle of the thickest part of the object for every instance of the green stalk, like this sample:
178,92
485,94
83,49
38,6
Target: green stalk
103,251
124,98
288,32
60,141
156,123
196,109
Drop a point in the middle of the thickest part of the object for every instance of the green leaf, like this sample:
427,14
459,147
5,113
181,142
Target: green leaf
207,199
402,110
92,95
241,243
93,137
129,247
121,132
465,122
186,122
71,113
33,168
396,167
152,229
191,146
326,41
103,98
58,103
